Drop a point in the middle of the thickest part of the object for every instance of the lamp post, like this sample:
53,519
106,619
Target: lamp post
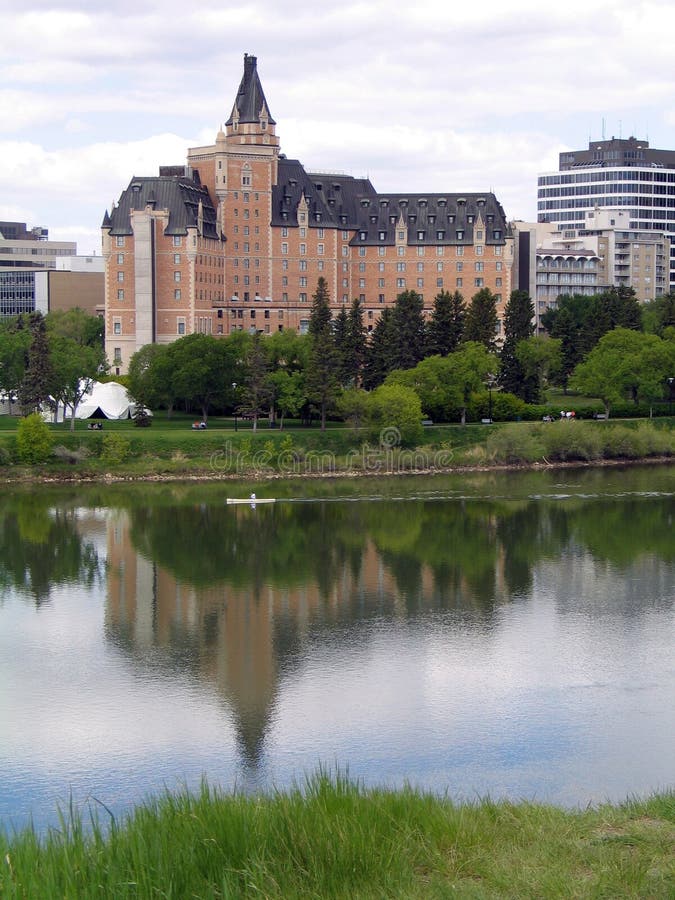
490,385
670,395
234,389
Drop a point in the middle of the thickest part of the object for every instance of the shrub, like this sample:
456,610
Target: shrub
33,440
5,456
70,455
115,448
569,440
395,416
505,407
515,444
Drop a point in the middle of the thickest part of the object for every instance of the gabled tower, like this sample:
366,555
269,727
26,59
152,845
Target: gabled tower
240,170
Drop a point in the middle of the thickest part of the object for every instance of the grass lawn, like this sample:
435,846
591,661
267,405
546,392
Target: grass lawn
335,839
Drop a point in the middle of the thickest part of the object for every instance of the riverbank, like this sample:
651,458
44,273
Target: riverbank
337,839
125,453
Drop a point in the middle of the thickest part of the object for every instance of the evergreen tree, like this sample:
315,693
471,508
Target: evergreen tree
340,334
355,351
446,326
322,372
409,330
380,351
518,326
481,320
257,388
35,386
565,328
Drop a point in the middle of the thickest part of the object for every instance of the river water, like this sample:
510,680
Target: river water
508,635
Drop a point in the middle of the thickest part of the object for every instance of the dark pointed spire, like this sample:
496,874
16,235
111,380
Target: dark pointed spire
250,100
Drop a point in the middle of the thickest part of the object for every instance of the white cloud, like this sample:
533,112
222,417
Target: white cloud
429,96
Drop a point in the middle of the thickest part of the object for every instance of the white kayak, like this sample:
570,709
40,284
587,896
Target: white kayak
252,500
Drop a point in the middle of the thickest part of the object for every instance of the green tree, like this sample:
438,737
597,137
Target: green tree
408,330
355,348
659,314
322,371
470,366
480,325
433,380
395,416
149,377
625,362
74,368
288,389
446,325
257,389
15,340
36,384
539,358
78,325
204,368
518,326
380,351
33,440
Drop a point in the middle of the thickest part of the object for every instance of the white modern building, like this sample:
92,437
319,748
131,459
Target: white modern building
620,174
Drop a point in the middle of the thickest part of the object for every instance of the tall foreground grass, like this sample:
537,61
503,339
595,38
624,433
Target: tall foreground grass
336,839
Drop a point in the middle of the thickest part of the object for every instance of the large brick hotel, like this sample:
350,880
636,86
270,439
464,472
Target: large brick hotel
238,238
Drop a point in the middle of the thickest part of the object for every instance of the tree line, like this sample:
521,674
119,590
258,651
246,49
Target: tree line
608,346
50,361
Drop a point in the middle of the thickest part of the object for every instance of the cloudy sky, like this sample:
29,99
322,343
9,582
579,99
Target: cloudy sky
428,96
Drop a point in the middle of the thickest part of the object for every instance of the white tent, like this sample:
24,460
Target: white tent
108,400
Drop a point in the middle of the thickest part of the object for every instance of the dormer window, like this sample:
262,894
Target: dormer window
460,234
363,235
440,235
469,220
497,234
382,235
420,235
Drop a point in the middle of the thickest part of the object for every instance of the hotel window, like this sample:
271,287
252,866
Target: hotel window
345,282
381,251
117,326
479,266
303,281
460,235
180,326
303,249
479,235
320,265
303,232
459,266
400,251
177,240
362,267
439,266
120,259
284,248
478,282
176,276
345,267
401,235
420,267
284,231
119,241
421,251
458,282
319,249
382,235
345,235
362,251
498,251
176,294
302,264
380,298
362,282
498,282
380,267
284,265
380,282
303,298
120,276
245,180
498,266
479,251
439,282
284,280
302,218
400,282
176,259
345,251
320,235
459,251
120,294
400,267
117,355
440,251
420,282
